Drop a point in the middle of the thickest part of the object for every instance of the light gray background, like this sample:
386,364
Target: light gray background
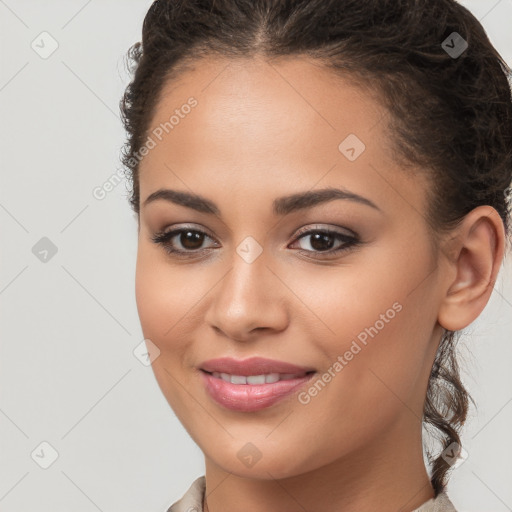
69,326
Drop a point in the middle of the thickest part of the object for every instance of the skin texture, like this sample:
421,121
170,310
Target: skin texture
262,130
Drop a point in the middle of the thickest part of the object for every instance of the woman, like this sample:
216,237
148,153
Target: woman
322,190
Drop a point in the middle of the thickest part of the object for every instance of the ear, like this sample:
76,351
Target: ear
475,259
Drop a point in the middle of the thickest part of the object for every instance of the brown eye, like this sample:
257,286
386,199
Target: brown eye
187,242
325,241
322,241
191,240
182,242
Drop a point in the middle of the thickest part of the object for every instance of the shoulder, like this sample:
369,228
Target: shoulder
192,500
441,503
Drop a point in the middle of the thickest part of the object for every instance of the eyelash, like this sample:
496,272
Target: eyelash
163,238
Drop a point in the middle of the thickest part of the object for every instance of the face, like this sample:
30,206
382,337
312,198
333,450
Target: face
346,287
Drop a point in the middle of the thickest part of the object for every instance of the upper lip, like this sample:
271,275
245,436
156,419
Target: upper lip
252,366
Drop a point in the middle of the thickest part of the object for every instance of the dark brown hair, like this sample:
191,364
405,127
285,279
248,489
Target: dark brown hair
448,114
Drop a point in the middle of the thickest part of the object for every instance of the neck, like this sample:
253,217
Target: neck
387,475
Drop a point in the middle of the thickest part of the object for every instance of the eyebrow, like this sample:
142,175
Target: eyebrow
280,206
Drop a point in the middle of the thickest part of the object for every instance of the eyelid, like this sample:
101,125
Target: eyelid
162,237
349,242
301,231
328,228
192,227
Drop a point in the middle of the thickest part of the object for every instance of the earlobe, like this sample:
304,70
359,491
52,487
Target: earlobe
479,249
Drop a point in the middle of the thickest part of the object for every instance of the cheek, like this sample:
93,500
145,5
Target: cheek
170,301
164,295
365,300
164,303
380,324
162,300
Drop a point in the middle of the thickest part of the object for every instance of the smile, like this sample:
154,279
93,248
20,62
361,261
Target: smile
252,392
268,378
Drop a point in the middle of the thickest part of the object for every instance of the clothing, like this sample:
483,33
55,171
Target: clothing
192,500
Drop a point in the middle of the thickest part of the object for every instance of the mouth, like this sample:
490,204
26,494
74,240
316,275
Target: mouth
251,393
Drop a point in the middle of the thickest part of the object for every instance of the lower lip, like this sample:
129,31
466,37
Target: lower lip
250,397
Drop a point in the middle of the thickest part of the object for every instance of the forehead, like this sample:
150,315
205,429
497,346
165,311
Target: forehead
257,98
257,124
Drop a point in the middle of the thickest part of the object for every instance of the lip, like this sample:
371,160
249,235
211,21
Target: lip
251,366
250,397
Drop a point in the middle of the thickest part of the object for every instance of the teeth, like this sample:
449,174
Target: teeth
268,378
237,379
257,379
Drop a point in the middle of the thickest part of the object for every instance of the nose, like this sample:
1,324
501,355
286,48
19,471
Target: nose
248,300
